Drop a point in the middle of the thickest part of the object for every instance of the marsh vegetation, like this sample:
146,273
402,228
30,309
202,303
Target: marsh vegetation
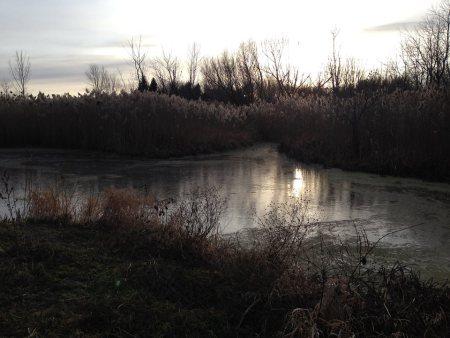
124,263
401,133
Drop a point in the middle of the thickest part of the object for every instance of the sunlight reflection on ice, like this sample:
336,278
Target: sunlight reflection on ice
298,183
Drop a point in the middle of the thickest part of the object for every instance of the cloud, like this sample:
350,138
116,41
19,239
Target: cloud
71,69
61,37
65,69
394,26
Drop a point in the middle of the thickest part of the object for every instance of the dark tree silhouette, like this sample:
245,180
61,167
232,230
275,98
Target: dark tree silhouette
143,84
196,92
153,85
20,72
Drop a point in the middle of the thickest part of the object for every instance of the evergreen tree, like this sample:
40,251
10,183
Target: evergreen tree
153,85
143,84
196,92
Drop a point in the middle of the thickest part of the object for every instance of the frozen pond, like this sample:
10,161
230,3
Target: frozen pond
253,178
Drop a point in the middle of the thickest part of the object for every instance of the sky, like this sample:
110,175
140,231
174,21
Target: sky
62,37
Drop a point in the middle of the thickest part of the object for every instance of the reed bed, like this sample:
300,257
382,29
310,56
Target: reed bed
133,124
405,133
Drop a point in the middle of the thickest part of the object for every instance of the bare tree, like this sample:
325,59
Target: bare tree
334,67
97,78
220,72
5,87
167,70
322,79
352,73
344,74
124,84
193,63
250,71
115,84
241,77
138,57
101,80
286,76
236,77
426,49
20,70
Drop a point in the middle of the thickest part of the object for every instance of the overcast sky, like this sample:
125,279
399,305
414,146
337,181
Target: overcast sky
63,37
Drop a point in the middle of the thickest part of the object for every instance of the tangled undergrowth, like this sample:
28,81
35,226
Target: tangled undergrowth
126,264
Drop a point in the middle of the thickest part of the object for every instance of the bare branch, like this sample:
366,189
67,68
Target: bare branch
20,70
193,63
167,70
138,57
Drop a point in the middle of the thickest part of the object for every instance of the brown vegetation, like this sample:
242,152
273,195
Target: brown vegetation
401,132
135,124
148,267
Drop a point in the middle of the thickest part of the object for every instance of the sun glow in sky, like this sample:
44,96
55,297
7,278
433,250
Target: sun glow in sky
64,37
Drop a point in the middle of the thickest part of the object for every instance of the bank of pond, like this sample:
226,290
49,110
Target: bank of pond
125,265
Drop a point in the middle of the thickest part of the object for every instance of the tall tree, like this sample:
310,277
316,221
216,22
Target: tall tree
101,80
143,84
426,49
153,85
193,63
138,57
167,70
20,70
334,66
286,77
5,87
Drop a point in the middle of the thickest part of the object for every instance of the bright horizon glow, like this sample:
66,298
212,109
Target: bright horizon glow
63,37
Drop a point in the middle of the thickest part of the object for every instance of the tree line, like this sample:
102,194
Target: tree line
261,72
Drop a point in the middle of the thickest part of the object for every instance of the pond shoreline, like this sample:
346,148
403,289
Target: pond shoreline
253,179
357,166
69,279
353,166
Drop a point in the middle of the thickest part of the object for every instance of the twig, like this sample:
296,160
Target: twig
247,311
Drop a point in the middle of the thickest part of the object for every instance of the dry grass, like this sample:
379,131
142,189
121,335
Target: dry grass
400,132
134,124
91,210
126,208
54,204
191,223
293,279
